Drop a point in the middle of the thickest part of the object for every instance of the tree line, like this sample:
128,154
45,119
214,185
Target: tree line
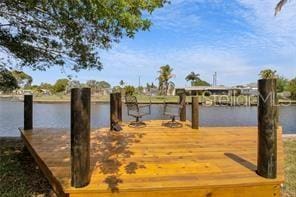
283,84
13,79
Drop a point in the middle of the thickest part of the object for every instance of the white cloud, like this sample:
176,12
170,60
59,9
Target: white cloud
276,32
248,40
129,64
176,16
263,41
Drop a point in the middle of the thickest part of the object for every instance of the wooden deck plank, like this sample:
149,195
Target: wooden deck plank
159,160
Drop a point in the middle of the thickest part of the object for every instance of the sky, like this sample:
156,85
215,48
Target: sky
235,38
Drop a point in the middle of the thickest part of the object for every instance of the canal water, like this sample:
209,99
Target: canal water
58,116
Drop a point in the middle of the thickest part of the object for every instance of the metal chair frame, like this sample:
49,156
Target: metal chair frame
135,110
173,123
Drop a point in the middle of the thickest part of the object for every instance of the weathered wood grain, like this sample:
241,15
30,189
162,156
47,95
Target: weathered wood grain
115,111
161,161
182,100
267,128
80,137
119,108
28,112
195,112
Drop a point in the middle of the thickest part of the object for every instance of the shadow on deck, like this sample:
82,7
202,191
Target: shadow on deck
159,161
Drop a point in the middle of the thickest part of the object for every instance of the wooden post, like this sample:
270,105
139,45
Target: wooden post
80,136
28,112
182,100
195,112
113,110
119,107
194,93
267,129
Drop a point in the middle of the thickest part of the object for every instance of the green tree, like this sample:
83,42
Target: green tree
7,81
121,83
200,82
282,84
24,80
268,74
117,89
46,86
165,75
152,85
73,84
60,85
103,84
37,91
129,90
97,85
192,77
292,88
140,90
92,84
148,86
41,34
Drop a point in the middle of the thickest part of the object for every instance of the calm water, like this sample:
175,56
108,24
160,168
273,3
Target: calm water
58,116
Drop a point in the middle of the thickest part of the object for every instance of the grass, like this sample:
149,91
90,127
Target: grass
290,168
20,176
66,98
141,98
241,100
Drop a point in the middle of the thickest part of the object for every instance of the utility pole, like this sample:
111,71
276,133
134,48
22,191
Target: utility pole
215,79
139,81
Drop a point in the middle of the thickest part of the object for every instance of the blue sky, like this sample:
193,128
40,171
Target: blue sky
235,38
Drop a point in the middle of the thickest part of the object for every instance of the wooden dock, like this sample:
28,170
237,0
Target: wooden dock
159,161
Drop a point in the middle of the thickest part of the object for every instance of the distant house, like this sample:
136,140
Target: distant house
45,92
208,90
249,89
22,92
150,91
101,91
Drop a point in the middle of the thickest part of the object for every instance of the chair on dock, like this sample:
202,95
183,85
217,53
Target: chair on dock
137,111
173,111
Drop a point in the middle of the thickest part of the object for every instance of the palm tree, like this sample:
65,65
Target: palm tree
192,77
121,83
165,74
279,6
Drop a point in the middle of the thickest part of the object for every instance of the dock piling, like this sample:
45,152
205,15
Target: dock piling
28,112
195,112
115,111
119,107
80,137
182,100
267,129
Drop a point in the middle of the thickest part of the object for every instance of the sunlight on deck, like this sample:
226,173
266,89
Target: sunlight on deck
159,161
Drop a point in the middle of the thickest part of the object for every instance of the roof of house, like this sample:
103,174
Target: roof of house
206,88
